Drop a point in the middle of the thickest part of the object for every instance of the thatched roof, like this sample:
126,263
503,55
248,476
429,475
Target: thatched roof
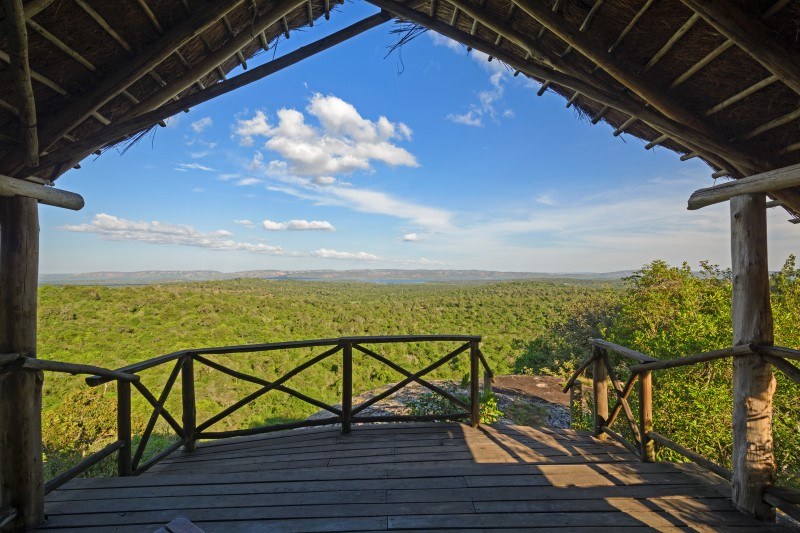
718,80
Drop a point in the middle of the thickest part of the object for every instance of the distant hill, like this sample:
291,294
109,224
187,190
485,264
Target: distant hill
376,276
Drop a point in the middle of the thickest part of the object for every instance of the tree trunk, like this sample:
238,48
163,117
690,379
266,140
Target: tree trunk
21,474
753,382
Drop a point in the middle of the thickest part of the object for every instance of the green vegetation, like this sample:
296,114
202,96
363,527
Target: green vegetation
430,403
670,312
527,327
115,326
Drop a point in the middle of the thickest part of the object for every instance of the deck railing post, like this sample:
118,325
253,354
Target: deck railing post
648,451
474,384
600,386
124,466
189,408
347,386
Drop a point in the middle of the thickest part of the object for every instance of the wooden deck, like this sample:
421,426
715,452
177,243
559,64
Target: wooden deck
403,477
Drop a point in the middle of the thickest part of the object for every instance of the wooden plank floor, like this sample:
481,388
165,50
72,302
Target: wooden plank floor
402,477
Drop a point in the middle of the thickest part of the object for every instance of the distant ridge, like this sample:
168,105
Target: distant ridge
376,276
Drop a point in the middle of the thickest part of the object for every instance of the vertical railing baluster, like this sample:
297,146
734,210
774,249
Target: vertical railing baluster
347,386
600,386
487,382
189,407
124,467
647,451
474,384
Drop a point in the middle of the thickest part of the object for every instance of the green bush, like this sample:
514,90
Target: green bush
431,403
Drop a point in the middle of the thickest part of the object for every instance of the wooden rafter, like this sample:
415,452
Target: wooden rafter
210,62
116,82
751,36
21,73
624,74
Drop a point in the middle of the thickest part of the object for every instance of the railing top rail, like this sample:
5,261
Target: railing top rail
269,346
693,359
623,351
377,339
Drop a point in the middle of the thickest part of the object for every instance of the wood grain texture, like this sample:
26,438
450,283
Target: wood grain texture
416,477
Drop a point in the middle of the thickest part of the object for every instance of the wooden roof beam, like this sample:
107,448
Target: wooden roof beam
53,86
17,38
116,82
777,6
160,30
769,80
232,35
750,35
683,30
210,62
624,74
766,182
46,195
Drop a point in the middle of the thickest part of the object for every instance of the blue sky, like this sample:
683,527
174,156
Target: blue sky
430,158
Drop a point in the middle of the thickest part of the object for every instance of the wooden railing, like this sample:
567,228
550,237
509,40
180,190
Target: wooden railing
188,430
641,427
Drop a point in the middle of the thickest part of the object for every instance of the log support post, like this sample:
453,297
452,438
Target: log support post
753,382
21,472
347,386
647,448
600,386
474,385
189,409
487,382
124,463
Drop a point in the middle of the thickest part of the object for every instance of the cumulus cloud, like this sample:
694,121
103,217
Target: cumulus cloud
298,225
545,199
245,222
185,167
200,125
343,142
410,237
470,118
114,228
333,254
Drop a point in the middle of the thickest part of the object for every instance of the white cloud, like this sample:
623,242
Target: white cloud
183,167
227,177
244,182
440,40
470,118
298,225
114,228
410,237
246,223
324,180
200,125
199,155
343,143
333,254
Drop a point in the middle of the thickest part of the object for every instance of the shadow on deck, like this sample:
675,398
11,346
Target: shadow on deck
403,477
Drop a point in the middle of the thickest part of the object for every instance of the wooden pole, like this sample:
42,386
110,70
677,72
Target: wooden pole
753,382
21,473
124,464
347,387
600,385
189,408
46,195
648,450
17,43
474,384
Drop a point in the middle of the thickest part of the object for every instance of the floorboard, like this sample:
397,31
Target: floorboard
402,477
